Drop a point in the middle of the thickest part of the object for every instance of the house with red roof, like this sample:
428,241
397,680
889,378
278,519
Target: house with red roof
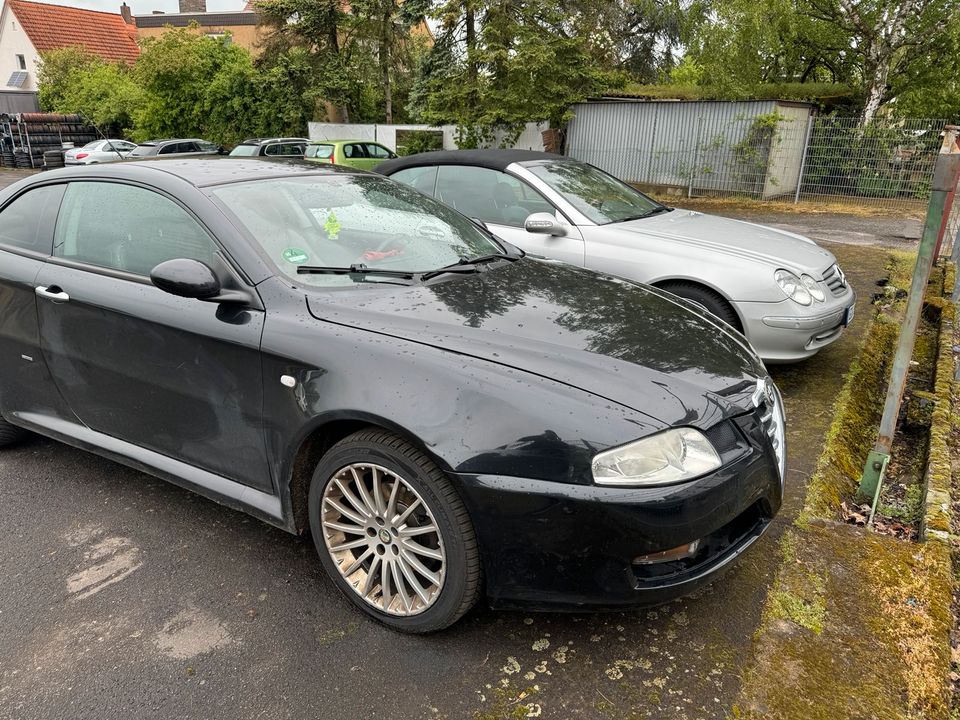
30,28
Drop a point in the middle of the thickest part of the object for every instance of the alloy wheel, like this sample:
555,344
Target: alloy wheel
383,539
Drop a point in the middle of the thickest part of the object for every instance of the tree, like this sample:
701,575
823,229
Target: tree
193,85
892,39
71,80
884,48
521,62
317,30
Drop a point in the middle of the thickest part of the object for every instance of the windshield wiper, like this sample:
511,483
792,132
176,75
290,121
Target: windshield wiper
358,271
649,213
468,265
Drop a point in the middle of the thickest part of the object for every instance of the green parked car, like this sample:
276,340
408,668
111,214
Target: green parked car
360,154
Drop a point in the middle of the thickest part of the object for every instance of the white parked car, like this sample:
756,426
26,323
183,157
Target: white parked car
99,151
784,292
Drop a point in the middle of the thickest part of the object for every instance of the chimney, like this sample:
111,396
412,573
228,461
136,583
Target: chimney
126,14
193,6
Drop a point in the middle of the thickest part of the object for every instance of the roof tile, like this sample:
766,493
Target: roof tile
51,27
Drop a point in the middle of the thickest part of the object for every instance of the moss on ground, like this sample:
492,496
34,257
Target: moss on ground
857,624
882,648
856,410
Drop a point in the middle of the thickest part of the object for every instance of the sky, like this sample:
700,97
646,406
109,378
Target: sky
145,7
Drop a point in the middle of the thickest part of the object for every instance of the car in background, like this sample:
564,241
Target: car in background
360,154
784,292
188,146
270,147
99,151
339,354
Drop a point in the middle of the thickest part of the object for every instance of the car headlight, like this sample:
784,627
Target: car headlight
668,457
813,287
792,287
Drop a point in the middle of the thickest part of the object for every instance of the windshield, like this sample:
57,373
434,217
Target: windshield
344,220
599,196
244,150
144,150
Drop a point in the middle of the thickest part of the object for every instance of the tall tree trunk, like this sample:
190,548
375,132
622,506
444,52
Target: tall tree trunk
875,90
386,31
470,22
335,112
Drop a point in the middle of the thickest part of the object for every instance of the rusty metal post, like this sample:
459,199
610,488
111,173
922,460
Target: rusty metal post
945,177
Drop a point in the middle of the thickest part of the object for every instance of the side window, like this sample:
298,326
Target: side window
21,220
292,150
355,150
169,149
489,195
272,150
377,151
122,227
423,179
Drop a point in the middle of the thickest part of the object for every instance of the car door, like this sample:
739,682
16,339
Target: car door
504,202
355,155
173,375
378,153
26,240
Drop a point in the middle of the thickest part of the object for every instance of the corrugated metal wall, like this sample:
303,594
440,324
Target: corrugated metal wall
18,102
662,143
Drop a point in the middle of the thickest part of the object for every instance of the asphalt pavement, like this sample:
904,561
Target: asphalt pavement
124,597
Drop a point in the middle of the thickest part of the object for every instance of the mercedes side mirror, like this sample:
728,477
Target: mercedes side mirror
544,224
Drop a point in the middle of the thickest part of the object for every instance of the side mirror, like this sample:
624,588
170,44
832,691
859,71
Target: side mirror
186,278
544,224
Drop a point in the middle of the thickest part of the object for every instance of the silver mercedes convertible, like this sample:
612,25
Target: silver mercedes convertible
784,292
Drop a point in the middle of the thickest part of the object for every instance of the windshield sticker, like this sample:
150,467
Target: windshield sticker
332,226
295,256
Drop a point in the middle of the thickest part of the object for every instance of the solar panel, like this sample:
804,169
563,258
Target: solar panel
17,79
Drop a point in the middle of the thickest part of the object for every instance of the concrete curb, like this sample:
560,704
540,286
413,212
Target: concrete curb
935,523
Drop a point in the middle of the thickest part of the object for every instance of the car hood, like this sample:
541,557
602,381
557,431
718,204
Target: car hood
777,248
628,343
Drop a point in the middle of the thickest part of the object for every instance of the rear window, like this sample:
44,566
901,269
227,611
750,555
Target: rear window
320,151
244,150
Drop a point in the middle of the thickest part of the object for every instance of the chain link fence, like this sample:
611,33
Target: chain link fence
772,152
889,162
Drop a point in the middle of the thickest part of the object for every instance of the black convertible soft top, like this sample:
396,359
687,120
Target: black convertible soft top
493,159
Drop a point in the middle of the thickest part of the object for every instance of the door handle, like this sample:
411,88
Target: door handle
53,293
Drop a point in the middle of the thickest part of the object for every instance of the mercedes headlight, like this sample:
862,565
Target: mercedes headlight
792,287
668,457
813,287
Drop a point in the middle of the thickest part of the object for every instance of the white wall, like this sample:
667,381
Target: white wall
13,42
530,138
786,154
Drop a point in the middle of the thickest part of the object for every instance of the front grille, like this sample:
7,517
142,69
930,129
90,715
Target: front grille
723,436
835,280
772,419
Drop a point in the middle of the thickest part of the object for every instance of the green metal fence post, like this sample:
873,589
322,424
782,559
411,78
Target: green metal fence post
945,177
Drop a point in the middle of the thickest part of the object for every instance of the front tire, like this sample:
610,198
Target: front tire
10,434
393,534
709,300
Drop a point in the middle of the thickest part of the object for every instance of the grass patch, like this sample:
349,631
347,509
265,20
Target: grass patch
858,207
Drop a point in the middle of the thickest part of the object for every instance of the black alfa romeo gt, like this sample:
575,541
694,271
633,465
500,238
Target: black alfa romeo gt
332,351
